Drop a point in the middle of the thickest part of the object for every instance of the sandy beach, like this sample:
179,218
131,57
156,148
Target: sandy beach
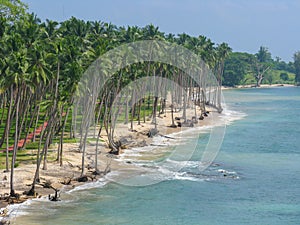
261,86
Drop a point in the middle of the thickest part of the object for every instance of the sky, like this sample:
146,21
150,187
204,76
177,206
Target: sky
244,24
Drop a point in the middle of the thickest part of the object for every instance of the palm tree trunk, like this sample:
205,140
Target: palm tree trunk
13,160
62,138
38,164
36,123
8,128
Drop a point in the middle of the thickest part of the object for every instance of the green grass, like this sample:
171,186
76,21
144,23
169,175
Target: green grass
28,155
24,157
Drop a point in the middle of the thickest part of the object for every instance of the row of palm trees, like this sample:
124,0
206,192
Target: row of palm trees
42,63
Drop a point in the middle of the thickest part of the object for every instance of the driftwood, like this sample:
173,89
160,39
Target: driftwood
55,197
152,132
67,180
47,184
115,148
70,164
165,136
83,178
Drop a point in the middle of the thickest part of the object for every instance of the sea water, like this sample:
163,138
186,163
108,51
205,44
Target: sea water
253,180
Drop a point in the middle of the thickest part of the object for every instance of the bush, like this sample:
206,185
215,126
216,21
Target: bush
284,76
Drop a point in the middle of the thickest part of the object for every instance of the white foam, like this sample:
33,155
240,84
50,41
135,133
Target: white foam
181,176
229,116
225,171
98,184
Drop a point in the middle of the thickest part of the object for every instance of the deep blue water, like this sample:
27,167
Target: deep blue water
263,151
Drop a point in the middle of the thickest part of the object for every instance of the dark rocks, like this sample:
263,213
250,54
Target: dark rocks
82,179
55,197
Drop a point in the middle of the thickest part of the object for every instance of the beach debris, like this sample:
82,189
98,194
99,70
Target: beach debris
55,197
187,123
152,132
115,147
142,143
125,141
3,213
165,136
67,181
229,174
173,126
47,184
4,216
83,178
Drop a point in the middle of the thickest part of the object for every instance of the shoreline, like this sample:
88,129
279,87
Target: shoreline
261,86
72,159
56,175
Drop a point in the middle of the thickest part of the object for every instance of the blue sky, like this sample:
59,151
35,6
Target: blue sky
244,24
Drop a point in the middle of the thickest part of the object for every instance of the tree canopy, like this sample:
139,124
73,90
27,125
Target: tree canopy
246,68
297,67
42,63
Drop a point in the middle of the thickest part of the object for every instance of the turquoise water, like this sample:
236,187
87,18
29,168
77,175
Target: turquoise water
261,154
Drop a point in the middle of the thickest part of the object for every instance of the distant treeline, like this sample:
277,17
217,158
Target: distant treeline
243,68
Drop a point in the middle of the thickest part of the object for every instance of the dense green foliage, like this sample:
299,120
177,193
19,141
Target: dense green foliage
237,65
297,67
41,64
245,68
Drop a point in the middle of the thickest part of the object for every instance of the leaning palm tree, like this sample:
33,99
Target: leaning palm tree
222,52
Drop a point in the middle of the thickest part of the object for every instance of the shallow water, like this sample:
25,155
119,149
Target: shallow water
260,157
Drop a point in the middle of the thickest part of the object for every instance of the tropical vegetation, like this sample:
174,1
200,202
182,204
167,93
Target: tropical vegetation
42,63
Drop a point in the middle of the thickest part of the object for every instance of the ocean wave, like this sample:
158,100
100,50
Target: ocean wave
172,166
229,115
20,209
98,184
169,169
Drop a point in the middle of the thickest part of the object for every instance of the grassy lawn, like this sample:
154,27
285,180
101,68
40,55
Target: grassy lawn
24,157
